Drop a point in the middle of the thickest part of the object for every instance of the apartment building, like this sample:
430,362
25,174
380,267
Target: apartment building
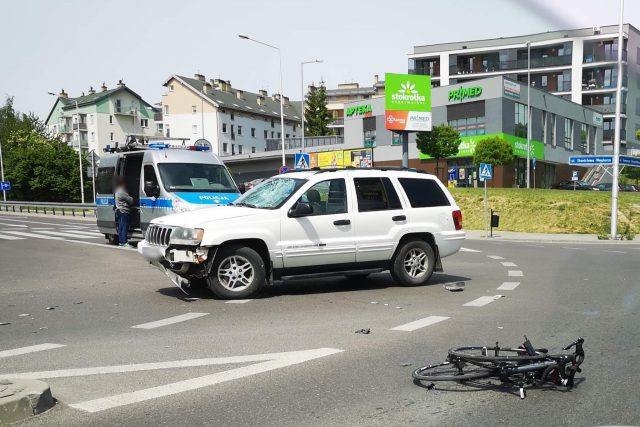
579,65
106,117
349,92
232,120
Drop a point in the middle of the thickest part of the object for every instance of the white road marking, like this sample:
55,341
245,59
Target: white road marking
30,349
535,246
508,286
479,302
82,232
7,237
509,264
238,301
42,228
515,273
468,250
616,252
67,234
421,323
495,257
169,321
267,361
574,249
38,222
37,236
12,225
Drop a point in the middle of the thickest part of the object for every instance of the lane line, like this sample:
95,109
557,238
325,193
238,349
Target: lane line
12,225
508,286
509,264
421,323
574,249
535,246
37,236
40,222
82,232
29,349
515,273
495,257
43,228
57,233
479,302
7,237
169,321
468,250
238,301
616,252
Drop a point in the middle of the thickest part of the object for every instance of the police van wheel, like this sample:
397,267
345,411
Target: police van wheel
112,239
238,272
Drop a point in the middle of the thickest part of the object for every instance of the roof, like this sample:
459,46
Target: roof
370,90
249,103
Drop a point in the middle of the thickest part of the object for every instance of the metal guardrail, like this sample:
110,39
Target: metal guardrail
48,207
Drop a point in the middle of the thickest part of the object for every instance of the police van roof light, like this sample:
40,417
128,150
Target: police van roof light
198,148
159,146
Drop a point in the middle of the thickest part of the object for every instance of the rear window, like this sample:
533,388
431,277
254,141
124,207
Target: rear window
423,193
104,180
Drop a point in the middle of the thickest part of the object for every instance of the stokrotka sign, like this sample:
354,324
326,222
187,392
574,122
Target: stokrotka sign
359,110
463,93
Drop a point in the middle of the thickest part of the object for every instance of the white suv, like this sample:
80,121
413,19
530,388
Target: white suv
308,223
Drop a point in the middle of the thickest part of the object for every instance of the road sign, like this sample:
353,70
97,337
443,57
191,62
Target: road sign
453,174
95,156
574,175
283,169
5,185
591,160
533,163
486,171
302,161
630,161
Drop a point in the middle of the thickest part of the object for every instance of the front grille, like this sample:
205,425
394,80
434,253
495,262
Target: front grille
158,235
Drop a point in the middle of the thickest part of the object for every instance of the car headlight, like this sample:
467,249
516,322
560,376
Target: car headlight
186,236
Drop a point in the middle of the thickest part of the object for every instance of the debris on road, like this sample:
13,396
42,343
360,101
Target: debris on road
4,323
454,286
52,307
431,386
363,331
78,302
405,364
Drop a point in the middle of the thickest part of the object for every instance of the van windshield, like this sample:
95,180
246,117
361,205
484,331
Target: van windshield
205,177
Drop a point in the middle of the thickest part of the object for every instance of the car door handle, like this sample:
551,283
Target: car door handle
342,222
399,218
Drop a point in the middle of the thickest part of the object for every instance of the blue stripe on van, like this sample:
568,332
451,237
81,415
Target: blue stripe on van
148,202
208,198
105,201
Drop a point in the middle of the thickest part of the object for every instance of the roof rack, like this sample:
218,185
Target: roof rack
378,168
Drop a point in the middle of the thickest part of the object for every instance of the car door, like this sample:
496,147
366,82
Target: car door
323,240
379,219
150,206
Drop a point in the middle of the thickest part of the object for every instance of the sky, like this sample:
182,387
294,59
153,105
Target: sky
74,44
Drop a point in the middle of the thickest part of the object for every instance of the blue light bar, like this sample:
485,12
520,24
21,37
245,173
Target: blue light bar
159,146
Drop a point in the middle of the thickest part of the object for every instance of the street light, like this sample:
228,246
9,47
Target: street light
529,114
302,87
246,37
79,147
616,136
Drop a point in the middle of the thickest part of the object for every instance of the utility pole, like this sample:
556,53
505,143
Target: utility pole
302,92
528,114
4,192
616,138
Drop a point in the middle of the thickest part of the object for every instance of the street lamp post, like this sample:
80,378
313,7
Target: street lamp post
528,114
302,92
4,192
79,147
245,37
617,130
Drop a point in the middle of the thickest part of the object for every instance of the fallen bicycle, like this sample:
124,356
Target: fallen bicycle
523,366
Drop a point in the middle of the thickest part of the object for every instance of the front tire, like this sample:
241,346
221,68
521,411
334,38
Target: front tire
112,239
238,272
413,264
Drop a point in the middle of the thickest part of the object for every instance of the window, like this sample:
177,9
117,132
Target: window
327,197
194,128
286,136
544,127
521,120
584,138
239,130
470,126
194,109
376,194
159,127
239,149
104,180
111,136
166,110
150,175
253,149
225,147
144,123
93,137
266,134
224,128
110,120
253,132
423,193
568,134
272,134
118,106
90,119
553,130
168,131
170,88
233,117
272,123
233,148
279,134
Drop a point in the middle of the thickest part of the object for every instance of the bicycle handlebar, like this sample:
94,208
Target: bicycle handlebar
577,342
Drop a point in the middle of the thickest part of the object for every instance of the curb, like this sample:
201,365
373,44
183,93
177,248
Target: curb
21,399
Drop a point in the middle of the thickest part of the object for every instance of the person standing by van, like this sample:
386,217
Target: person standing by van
123,204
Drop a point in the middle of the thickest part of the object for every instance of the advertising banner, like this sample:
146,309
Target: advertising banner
360,158
313,160
357,158
519,145
330,159
511,89
407,102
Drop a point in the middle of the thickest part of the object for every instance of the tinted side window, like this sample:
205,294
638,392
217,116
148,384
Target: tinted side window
375,194
104,180
423,193
150,174
327,197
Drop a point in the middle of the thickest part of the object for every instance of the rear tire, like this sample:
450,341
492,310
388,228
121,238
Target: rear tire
112,239
447,371
237,272
413,263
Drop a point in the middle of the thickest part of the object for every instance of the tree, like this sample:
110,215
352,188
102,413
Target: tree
496,151
632,173
440,143
317,115
638,134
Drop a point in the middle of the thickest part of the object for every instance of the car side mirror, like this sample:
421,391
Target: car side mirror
151,189
301,209
242,188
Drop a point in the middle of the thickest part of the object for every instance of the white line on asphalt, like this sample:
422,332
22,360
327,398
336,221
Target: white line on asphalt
479,302
616,252
7,237
39,222
508,286
42,228
68,234
509,264
495,257
468,250
169,321
421,323
82,232
238,301
30,349
268,362
535,246
12,225
515,273
37,236
574,249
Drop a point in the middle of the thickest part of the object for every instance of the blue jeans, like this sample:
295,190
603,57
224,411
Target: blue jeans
123,226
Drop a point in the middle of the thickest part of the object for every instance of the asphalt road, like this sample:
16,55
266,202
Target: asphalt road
120,345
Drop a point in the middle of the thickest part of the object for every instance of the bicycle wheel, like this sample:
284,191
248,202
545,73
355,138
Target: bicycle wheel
488,354
448,371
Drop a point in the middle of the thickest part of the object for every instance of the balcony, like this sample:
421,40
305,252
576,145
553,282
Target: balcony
81,126
608,135
309,141
600,84
608,108
157,117
339,122
519,64
602,56
64,129
426,71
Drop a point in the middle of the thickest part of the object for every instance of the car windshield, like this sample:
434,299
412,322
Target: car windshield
202,177
270,194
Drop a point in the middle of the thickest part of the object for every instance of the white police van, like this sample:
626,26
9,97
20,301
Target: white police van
163,179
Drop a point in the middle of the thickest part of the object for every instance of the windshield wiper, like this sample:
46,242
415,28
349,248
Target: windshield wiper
249,205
